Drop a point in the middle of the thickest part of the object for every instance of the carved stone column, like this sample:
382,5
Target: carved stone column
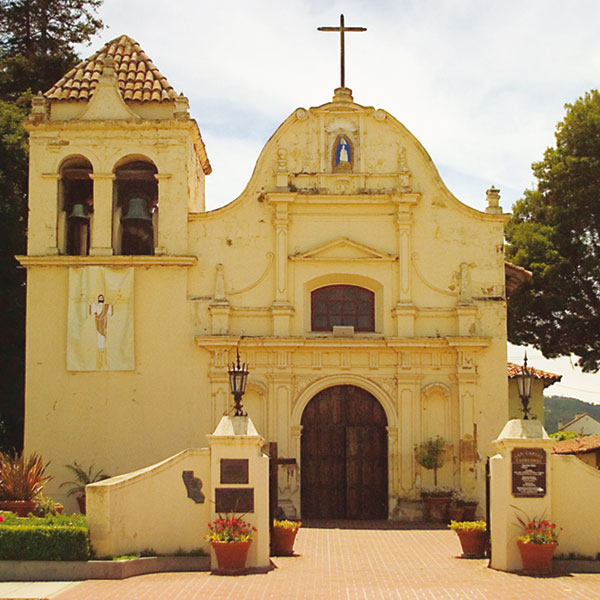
393,462
409,412
404,311
467,395
43,217
220,308
281,310
168,235
279,410
102,221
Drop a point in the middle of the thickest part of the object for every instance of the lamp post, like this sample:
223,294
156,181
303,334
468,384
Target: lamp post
238,377
524,381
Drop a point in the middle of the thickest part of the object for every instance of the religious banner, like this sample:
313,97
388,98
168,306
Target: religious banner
100,319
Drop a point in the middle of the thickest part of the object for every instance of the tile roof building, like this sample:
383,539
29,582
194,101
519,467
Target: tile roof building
139,80
369,301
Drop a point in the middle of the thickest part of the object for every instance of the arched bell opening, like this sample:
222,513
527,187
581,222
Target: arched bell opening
344,456
135,208
76,206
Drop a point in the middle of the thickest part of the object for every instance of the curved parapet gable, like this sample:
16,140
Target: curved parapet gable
344,148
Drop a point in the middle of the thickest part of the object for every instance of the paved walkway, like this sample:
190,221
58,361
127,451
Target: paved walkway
352,562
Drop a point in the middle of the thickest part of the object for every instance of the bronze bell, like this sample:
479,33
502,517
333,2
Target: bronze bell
137,211
78,212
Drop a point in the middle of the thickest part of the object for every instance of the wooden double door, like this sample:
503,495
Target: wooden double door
344,454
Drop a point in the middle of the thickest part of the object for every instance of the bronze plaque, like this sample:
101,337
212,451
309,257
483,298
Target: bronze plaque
234,470
236,500
528,472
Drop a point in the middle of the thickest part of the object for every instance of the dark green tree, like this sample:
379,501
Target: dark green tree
37,41
13,231
555,233
37,47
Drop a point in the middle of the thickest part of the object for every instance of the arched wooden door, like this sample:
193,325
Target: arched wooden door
344,451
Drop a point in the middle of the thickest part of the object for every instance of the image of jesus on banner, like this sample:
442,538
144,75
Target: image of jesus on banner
101,311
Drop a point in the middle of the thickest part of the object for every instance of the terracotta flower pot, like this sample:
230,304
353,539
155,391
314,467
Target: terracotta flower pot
456,513
81,503
435,508
20,507
231,556
537,558
282,541
469,512
473,542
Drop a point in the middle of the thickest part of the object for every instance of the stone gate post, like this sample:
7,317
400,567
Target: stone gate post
520,486
240,481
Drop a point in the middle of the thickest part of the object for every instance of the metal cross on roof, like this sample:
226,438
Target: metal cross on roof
342,30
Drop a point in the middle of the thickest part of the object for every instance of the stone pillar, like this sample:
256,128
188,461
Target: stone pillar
43,215
404,311
169,237
504,505
281,310
101,234
237,438
409,426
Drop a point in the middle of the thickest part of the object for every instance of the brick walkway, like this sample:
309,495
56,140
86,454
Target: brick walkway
354,562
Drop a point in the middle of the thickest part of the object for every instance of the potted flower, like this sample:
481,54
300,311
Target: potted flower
456,511
430,455
472,536
436,502
83,477
537,545
21,480
283,536
230,538
469,506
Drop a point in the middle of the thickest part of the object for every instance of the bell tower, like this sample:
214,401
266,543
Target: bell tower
116,161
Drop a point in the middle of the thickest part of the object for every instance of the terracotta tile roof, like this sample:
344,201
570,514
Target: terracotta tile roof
514,277
139,79
581,445
514,370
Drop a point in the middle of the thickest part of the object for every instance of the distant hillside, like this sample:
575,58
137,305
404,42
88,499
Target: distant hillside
558,409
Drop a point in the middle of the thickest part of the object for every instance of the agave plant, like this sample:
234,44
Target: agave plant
22,478
83,477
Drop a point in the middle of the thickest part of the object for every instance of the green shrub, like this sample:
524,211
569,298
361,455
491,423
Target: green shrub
45,542
75,520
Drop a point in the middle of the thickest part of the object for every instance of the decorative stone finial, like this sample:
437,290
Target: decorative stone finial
493,201
403,170
281,174
38,108
220,285
282,160
182,107
108,68
342,94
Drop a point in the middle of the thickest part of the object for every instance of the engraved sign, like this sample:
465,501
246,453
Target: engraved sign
234,470
528,472
239,500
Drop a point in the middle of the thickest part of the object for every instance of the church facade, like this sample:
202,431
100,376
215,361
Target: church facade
368,302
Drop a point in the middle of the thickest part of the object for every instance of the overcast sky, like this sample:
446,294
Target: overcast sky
481,84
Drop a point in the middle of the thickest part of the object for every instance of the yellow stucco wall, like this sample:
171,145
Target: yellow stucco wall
242,275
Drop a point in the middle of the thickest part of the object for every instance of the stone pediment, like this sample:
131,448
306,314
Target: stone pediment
342,249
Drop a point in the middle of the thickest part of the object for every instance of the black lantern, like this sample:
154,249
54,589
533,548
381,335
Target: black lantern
238,376
524,382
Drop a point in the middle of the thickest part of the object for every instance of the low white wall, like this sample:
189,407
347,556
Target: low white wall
575,493
150,508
